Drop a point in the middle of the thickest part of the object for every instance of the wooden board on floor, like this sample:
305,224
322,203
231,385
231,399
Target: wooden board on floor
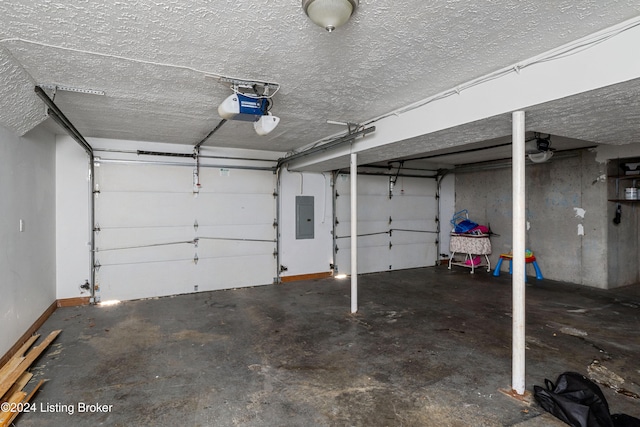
13,376
25,399
16,358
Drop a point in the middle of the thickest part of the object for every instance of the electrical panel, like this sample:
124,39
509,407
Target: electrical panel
305,223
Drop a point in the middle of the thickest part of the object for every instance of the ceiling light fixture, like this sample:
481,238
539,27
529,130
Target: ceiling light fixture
539,149
329,14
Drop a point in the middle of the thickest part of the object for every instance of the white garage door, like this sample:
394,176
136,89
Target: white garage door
393,233
157,238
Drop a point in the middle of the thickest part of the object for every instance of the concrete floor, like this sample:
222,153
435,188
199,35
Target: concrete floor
429,347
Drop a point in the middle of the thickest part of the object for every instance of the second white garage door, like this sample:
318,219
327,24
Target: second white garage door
395,232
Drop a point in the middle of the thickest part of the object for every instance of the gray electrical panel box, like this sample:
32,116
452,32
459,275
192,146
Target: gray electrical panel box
304,217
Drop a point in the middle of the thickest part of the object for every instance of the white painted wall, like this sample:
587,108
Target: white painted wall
306,256
73,230
27,258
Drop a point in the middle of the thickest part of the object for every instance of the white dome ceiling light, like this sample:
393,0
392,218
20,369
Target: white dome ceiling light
329,14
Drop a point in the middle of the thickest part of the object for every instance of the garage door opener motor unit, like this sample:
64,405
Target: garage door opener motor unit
249,109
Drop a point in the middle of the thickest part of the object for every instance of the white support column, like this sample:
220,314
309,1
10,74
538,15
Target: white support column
354,231
518,277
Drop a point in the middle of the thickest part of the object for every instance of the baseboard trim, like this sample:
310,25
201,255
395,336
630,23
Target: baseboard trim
73,302
32,330
311,276
65,302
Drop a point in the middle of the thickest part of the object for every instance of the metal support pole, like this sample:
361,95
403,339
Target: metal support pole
354,231
518,277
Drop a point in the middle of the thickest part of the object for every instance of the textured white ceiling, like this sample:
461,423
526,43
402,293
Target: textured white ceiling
151,58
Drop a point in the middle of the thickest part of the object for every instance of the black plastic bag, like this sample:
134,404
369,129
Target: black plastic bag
576,400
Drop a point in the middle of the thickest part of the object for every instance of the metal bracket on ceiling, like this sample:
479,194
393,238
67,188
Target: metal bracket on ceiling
56,88
351,126
252,87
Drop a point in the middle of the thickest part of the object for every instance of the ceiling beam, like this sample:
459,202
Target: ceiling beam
599,60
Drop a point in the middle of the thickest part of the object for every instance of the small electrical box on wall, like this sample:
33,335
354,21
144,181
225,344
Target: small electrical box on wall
305,223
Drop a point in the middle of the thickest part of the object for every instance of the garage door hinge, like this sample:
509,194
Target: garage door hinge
195,225
390,245
195,259
337,249
390,220
275,254
96,265
275,223
437,219
275,194
96,229
337,222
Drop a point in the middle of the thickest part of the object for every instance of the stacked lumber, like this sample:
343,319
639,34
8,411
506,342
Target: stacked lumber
14,378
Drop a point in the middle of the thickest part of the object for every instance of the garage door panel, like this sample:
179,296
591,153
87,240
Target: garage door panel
226,248
415,186
370,260
414,224
412,256
149,254
378,240
370,208
127,209
229,209
399,237
419,215
127,282
143,178
125,237
364,227
222,180
237,231
147,215
412,209
232,272
367,185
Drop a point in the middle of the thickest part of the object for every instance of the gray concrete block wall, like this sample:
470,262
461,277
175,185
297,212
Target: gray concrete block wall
567,215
